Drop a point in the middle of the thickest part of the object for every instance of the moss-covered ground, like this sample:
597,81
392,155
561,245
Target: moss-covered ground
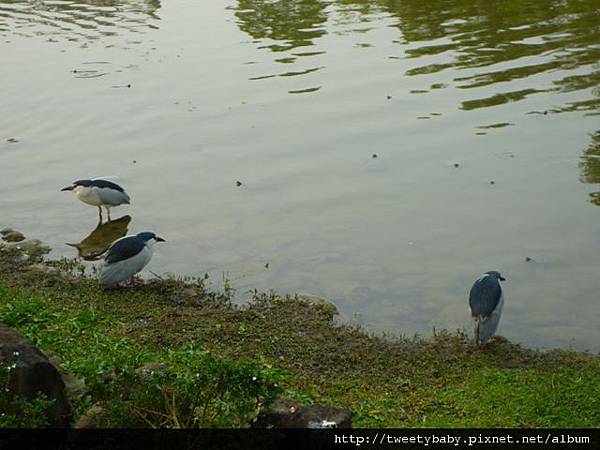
286,347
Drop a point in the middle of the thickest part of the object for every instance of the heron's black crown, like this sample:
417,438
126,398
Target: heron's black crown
496,275
98,184
147,235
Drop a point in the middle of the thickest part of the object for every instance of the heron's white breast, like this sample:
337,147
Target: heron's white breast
88,195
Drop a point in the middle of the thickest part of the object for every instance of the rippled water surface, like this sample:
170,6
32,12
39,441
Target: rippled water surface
388,151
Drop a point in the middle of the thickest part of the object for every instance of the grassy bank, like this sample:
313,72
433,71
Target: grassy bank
221,363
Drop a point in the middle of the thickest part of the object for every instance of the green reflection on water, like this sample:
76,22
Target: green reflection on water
92,247
590,166
293,23
85,19
490,44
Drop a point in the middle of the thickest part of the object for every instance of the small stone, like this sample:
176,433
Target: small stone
90,418
150,368
492,182
374,155
286,413
12,140
6,230
528,259
319,302
13,236
238,183
31,247
74,387
456,165
44,269
53,357
109,375
389,97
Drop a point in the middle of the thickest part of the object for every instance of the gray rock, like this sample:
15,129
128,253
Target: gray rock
91,417
285,413
44,268
5,231
13,236
55,359
74,386
31,247
34,374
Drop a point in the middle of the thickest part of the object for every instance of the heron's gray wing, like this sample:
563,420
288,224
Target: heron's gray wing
485,296
487,326
124,248
113,273
112,197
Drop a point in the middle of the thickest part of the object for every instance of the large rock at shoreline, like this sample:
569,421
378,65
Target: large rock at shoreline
33,374
292,414
12,236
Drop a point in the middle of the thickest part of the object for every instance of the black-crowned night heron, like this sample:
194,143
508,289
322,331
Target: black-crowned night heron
486,301
126,257
98,192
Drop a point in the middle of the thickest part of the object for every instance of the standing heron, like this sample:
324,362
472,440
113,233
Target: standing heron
98,192
486,301
126,257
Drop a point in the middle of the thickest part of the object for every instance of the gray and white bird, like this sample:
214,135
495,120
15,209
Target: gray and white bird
486,301
126,257
99,192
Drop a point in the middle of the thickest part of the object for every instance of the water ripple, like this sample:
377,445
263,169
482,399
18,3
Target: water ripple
81,20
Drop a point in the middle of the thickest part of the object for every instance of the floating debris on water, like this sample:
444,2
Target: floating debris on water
88,73
12,140
496,125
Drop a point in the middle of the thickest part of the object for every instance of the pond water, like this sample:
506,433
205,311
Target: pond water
389,152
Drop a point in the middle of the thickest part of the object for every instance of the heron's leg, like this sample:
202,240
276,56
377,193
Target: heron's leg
99,214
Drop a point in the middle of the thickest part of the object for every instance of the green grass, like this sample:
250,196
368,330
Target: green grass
193,389
223,362
521,398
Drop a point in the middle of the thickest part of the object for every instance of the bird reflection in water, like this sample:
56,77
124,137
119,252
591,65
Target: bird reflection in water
92,247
